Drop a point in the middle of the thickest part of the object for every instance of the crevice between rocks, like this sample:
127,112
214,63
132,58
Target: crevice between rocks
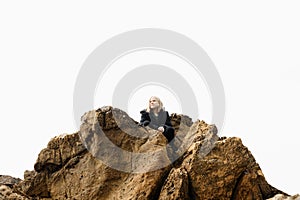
155,194
191,193
239,180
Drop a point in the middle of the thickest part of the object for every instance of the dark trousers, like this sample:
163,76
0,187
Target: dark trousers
169,133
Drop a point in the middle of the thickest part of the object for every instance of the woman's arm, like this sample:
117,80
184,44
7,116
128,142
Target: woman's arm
144,118
168,120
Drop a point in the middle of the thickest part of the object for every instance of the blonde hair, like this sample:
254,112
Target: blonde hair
160,106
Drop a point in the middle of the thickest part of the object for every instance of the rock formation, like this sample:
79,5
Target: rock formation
111,157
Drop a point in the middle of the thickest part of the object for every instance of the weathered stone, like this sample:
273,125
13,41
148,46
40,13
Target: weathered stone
285,197
111,157
59,150
219,169
8,180
176,185
6,193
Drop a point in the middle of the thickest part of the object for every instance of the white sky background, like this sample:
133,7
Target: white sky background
254,45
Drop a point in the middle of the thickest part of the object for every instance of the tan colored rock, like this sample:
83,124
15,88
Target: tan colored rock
8,180
59,151
65,171
7,193
6,188
176,185
111,157
219,169
285,197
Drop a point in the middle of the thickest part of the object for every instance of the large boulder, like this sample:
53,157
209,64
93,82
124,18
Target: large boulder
112,157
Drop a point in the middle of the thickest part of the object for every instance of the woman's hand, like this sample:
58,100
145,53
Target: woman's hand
161,129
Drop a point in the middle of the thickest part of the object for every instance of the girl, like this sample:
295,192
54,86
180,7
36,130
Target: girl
157,118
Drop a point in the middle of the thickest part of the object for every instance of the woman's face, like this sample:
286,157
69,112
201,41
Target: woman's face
153,102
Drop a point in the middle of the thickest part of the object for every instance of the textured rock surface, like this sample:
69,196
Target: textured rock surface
6,191
221,168
111,157
285,197
8,180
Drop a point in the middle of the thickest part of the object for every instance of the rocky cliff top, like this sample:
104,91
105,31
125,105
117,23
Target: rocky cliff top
111,157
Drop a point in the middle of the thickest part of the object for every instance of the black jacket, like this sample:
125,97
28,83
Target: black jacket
148,118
